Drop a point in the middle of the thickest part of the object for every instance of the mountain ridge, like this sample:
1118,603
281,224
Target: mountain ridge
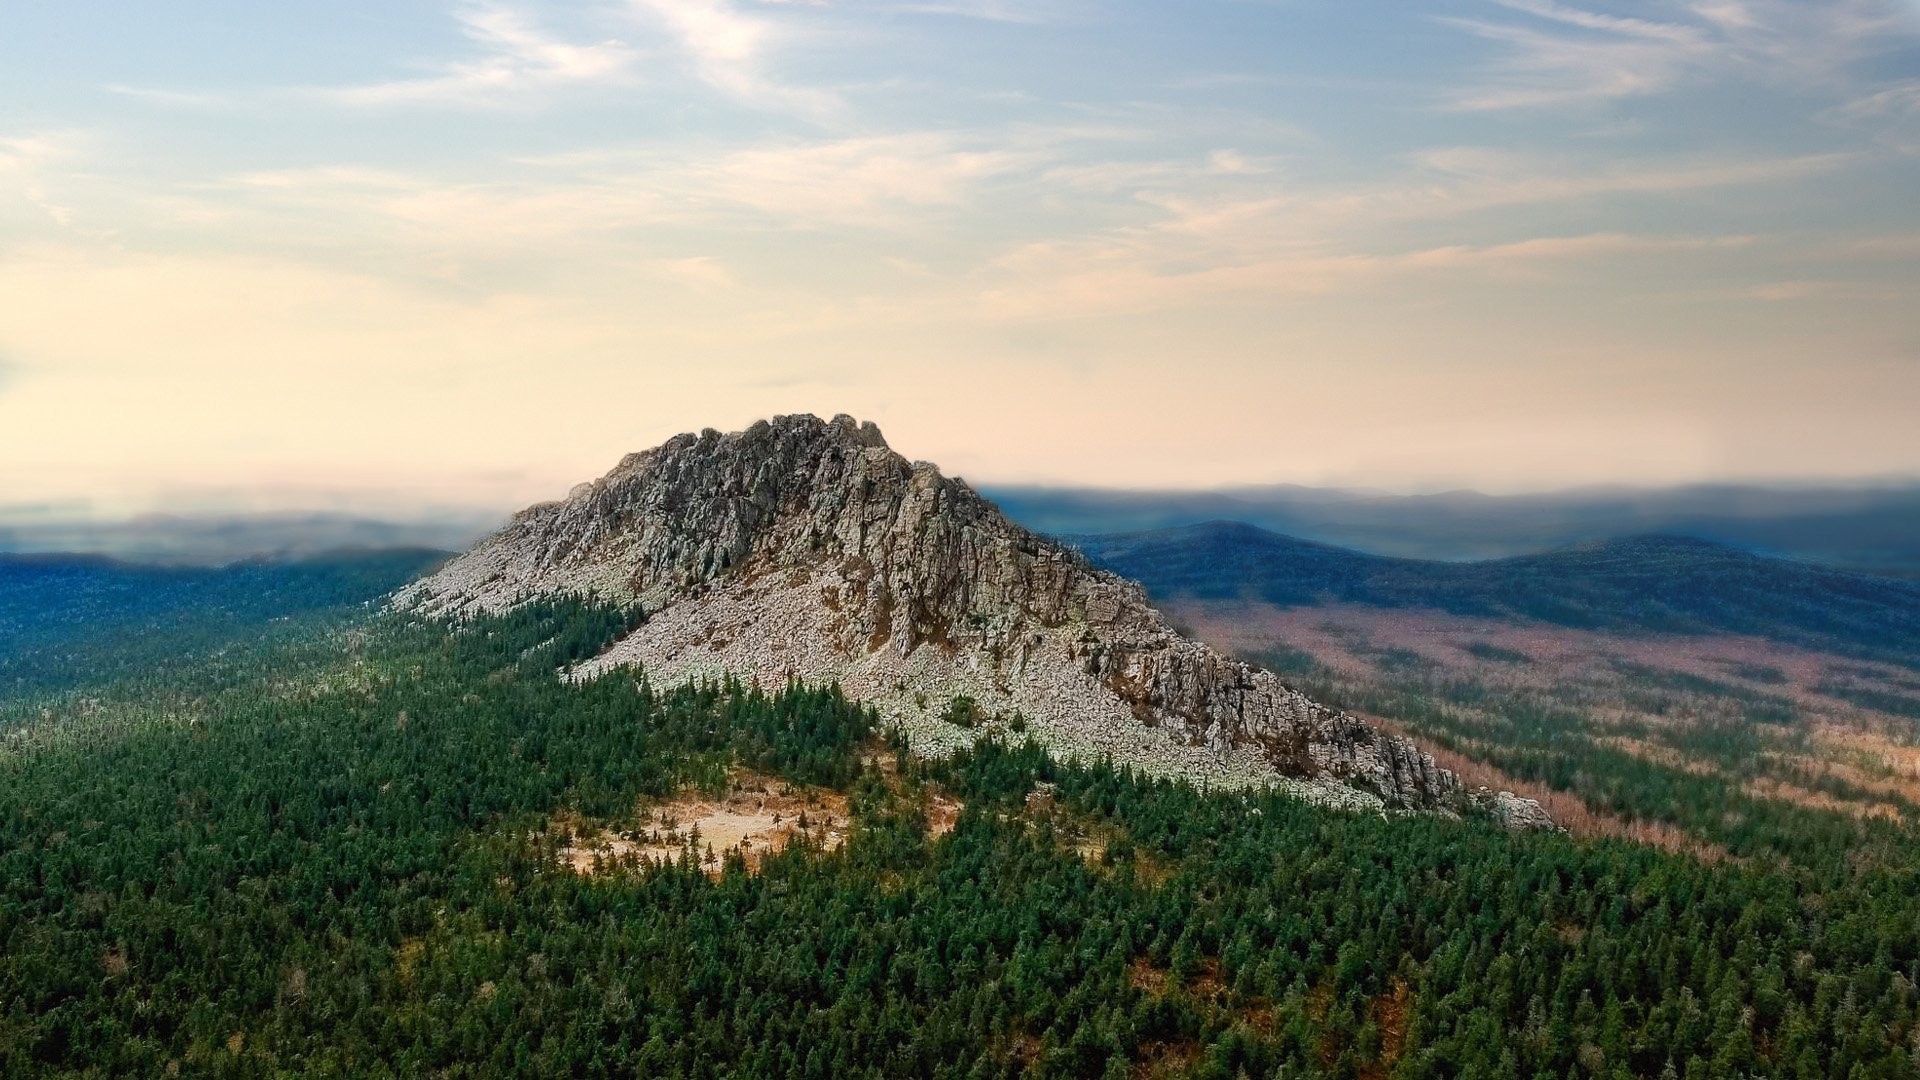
1864,526
1650,584
808,549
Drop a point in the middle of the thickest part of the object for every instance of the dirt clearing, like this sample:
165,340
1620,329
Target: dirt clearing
757,817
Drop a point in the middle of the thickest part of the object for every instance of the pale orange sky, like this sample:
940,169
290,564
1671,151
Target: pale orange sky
472,254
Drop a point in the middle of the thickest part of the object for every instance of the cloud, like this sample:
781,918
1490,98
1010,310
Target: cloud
1476,178
1890,114
1247,218
1589,20
1110,176
1558,54
1049,281
170,98
517,56
616,200
27,160
729,50
21,154
1899,99
1017,11
847,180
1226,235
1578,56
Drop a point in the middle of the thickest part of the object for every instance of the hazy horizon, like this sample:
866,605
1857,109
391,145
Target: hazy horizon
399,504
1872,528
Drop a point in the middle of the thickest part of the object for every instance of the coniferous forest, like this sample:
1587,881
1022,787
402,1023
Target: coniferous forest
336,858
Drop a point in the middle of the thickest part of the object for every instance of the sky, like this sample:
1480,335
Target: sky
410,252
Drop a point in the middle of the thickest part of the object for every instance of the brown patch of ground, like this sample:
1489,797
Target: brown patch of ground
1144,977
1596,673
1658,754
1085,836
757,817
943,813
1023,1049
1767,787
941,810
1390,1012
1158,1059
1872,760
1207,983
1568,811
1343,636
1162,1058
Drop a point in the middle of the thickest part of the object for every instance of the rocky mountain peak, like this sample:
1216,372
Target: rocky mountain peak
802,548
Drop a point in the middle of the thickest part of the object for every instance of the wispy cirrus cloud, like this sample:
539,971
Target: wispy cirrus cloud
870,183
516,56
1243,216
1261,233
1890,113
26,162
170,98
1900,99
730,50
1556,53
1050,281
1009,11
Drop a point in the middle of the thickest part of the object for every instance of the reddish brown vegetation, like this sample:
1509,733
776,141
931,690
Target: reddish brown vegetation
1355,645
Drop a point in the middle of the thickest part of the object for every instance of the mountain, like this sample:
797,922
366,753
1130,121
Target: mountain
808,549
1871,528
1648,584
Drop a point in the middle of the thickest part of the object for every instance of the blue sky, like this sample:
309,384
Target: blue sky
475,251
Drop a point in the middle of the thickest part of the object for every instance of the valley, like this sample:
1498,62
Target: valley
1623,686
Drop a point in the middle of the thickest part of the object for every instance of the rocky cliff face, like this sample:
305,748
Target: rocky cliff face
803,548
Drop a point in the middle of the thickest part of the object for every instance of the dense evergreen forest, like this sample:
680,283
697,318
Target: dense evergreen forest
336,860
70,619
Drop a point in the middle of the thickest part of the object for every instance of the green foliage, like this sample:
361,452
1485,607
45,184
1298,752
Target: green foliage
961,711
1487,650
341,867
1559,738
1870,697
75,621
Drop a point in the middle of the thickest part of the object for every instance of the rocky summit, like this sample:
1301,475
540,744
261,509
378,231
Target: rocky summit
807,549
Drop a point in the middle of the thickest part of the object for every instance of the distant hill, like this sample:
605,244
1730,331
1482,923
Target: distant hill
68,620
1659,584
1874,529
216,539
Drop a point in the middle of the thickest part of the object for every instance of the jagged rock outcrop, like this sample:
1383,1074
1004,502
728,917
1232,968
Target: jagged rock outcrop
1515,811
809,549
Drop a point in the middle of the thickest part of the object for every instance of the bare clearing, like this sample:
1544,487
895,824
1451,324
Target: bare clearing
757,817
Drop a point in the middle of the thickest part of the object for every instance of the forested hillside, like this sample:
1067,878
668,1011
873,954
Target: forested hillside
352,863
67,620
